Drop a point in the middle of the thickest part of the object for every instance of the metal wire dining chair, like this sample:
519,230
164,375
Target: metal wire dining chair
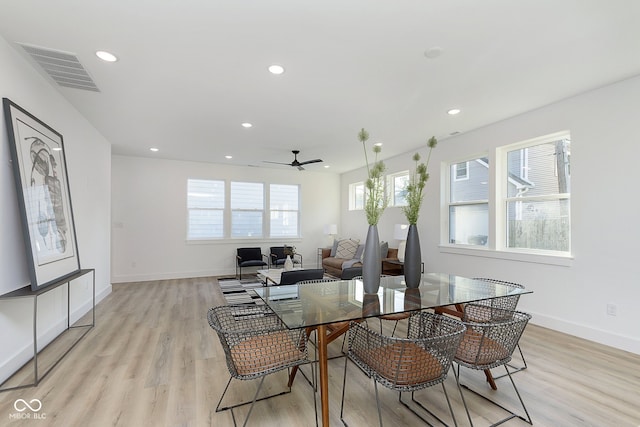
507,303
256,343
406,364
489,343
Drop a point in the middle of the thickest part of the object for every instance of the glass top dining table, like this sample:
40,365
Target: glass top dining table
322,305
314,304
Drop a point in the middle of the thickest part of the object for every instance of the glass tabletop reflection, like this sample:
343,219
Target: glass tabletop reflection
313,304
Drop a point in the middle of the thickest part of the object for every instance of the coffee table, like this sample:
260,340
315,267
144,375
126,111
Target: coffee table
272,275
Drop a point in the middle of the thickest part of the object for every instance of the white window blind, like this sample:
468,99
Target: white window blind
247,209
205,205
284,210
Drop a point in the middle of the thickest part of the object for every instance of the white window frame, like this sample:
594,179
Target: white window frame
391,187
291,209
353,189
446,233
260,209
498,187
202,208
227,214
502,193
466,174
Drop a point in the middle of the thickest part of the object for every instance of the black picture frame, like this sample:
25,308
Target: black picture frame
42,186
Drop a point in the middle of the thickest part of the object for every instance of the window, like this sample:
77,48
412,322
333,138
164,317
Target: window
247,209
538,187
356,196
469,202
205,205
284,210
519,202
397,188
461,171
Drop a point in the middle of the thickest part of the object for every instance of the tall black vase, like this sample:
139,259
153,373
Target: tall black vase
371,261
412,258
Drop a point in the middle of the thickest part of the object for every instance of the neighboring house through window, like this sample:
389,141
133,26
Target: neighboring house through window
531,207
537,199
469,202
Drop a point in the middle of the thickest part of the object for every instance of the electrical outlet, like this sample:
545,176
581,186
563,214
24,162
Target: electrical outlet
612,309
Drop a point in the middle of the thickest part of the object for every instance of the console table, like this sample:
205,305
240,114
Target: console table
27,292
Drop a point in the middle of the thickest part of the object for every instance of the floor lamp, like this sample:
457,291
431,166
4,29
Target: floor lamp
331,230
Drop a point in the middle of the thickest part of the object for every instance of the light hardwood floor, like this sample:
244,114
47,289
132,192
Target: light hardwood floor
153,360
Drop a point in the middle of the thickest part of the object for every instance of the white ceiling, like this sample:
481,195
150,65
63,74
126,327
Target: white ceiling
191,71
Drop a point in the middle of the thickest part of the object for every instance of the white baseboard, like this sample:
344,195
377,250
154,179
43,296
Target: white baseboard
169,276
621,342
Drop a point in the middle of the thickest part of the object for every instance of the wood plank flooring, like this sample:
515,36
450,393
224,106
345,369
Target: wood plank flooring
153,360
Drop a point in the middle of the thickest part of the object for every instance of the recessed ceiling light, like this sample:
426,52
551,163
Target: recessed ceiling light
327,166
453,111
228,157
106,56
276,69
246,125
57,149
378,144
154,149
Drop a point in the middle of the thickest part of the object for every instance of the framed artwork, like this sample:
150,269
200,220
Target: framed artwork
42,187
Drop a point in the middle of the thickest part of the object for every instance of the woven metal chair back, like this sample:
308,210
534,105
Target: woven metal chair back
323,280
407,364
491,341
255,342
508,302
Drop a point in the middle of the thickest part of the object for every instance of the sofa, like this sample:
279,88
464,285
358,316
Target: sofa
333,265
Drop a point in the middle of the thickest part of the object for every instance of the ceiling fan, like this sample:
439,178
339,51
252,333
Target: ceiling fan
296,163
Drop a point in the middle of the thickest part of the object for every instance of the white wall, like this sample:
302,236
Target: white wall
88,157
149,211
571,296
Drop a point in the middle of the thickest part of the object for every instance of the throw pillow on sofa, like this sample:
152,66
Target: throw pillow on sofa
384,250
347,248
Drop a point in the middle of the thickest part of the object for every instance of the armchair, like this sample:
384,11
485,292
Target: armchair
250,257
278,255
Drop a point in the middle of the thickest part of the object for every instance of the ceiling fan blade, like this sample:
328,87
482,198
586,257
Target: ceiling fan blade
300,168
311,161
277,163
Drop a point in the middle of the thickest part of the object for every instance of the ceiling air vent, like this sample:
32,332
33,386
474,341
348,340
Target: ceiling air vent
64,68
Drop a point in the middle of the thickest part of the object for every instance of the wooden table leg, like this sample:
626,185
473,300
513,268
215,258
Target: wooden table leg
490,380
324,375
294,370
